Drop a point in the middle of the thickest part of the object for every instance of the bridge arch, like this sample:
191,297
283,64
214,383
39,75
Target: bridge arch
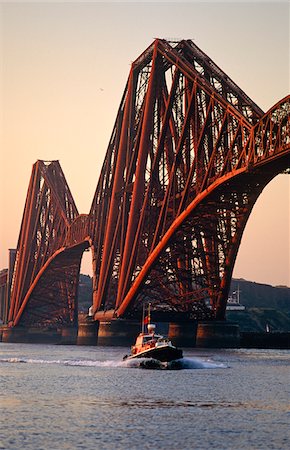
175,227
256,180
51,299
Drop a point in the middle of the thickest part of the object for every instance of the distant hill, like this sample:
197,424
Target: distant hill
257,319
259,295
266,306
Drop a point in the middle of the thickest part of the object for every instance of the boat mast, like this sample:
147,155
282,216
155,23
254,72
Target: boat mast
145,320
149,317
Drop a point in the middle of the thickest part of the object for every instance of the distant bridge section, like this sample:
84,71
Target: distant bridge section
45,280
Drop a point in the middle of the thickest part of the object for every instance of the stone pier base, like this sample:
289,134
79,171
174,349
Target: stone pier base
118,332
220,334
87,332
14,335
182,334
69,335
30,335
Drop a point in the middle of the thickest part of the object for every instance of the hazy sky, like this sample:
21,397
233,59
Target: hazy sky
63,70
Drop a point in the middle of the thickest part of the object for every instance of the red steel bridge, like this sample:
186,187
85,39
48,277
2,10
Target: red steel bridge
188,157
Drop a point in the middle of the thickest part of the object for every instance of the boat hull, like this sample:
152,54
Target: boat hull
162,353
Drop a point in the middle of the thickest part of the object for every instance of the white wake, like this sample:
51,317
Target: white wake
143,363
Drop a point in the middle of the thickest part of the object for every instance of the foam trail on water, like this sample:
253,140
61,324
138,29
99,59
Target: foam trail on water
143,363
89,363
197,363
81,363
12,360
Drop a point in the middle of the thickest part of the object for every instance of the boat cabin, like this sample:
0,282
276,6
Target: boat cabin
151,345
147,341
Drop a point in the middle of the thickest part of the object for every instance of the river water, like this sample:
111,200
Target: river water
69,397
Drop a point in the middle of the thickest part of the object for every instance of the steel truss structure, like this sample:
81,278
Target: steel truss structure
188,157
44,285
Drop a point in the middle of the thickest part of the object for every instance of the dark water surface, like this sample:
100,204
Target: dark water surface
69,397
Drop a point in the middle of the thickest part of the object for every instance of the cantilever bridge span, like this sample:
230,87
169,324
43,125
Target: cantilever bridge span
188,157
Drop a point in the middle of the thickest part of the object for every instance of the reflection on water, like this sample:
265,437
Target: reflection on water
55,397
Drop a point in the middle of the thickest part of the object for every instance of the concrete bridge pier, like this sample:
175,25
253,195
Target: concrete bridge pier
69,335
218,334
182,334
11,335
30,335
118,332
87,331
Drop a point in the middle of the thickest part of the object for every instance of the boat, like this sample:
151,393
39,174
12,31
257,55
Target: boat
152,345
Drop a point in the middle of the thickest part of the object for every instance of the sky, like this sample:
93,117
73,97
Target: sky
63,70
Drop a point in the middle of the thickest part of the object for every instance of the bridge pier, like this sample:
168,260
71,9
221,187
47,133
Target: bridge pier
118,332
30,335
182,334
69,335
218,334
10,335
87,331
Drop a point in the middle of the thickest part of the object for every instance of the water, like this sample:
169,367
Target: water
68,397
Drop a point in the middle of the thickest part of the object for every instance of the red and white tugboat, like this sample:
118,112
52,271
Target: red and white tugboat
152,345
